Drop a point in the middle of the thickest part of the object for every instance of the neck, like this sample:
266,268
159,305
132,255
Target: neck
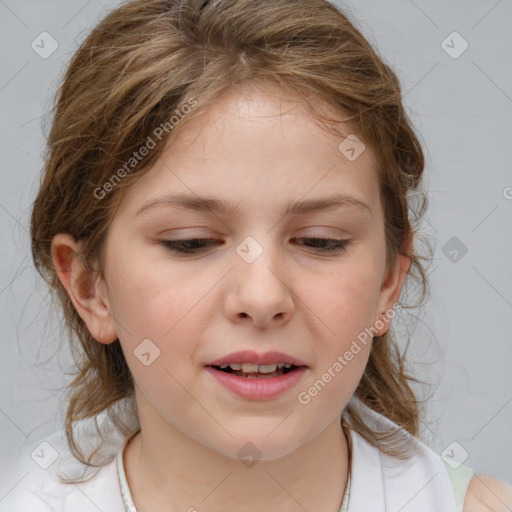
174,472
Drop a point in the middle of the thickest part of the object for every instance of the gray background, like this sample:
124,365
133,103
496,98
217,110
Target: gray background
462,107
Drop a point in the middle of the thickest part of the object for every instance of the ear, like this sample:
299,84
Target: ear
86,289
390,290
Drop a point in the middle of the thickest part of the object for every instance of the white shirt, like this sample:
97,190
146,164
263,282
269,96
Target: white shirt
378,483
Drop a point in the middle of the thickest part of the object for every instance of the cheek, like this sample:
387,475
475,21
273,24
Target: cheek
156,314
345,298
152,295
343,303
166,304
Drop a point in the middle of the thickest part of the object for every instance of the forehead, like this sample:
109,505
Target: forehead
263,146
262,113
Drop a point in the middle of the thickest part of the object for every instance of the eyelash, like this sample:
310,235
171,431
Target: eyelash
177,247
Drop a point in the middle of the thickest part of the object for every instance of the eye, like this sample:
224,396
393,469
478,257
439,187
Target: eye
197,245
194,245
327,244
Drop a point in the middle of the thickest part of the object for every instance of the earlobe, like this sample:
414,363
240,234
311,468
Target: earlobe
86,289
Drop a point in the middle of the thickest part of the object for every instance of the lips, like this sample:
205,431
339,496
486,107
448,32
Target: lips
258,386
256,358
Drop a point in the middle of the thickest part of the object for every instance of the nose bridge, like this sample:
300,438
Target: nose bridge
260,288
259,259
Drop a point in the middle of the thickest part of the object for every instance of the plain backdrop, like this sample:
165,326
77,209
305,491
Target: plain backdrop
453,61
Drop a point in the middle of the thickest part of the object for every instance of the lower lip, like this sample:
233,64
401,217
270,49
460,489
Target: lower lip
259,388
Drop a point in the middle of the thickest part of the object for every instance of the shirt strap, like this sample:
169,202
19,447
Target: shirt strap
346,496
460,477
123,484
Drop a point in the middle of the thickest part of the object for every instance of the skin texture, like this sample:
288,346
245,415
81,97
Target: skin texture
257,150
488,494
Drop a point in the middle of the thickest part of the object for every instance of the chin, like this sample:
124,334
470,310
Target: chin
260,448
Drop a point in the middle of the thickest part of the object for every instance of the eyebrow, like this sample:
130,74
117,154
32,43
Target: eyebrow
213,205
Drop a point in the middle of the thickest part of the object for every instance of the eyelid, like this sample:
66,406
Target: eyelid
204,232
335,246
189,232
326,232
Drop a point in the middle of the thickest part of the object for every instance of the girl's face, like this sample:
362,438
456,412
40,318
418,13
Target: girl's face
266,282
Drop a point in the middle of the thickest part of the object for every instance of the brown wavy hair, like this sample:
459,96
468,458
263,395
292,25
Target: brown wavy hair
137,67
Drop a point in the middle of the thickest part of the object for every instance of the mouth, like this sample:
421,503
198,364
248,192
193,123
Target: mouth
255,371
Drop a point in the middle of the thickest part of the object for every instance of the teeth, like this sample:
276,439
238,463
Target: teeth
267,368
249,368
255,368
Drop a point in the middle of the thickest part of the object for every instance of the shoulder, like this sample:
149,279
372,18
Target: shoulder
488,494
37,481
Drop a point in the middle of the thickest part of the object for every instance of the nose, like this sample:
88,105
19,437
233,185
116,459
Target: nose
260,292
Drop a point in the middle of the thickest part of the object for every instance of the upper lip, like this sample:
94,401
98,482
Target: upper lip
249,356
